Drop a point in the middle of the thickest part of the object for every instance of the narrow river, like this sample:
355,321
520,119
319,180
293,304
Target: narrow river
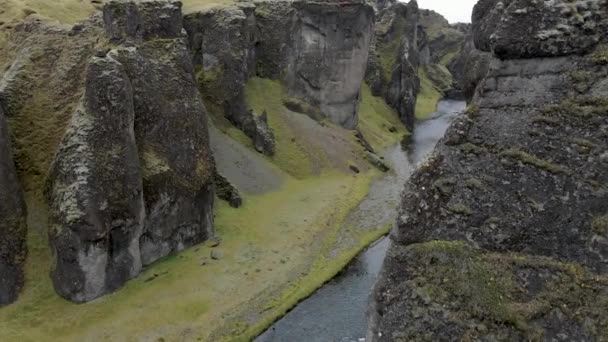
337,312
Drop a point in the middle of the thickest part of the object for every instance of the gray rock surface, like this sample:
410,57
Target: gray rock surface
133,178
502,234
392,70
328,57
13,227
172,138
319,50
95,190
524,29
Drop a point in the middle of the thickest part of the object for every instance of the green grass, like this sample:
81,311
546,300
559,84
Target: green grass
426,103
376,118
271,232
267,95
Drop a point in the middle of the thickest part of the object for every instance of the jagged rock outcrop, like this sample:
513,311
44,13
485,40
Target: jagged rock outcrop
502,234
133,178
443,45
318,50
12,221
469,67
392,70
96,195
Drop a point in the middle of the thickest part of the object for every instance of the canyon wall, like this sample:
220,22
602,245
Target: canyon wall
392,69
319,51
123,157
12,221
503,232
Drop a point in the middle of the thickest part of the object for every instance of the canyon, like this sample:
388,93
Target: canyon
191,171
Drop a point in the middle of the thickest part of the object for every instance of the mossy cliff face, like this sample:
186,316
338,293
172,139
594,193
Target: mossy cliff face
317,49
12,221
131,171
498,236
392,70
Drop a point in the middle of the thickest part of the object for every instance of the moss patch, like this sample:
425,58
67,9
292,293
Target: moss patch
504,289
378,122
529,159
600,225
426,103
267,95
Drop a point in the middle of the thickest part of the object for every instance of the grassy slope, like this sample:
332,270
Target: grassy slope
277,249
376,117
426,103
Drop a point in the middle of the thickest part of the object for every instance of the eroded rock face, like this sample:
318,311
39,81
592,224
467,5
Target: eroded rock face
319,50
13,227
132,180
469,67
96,195
525,29
172,138
329,55
502,233
392,70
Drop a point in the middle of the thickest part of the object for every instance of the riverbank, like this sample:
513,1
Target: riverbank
337,312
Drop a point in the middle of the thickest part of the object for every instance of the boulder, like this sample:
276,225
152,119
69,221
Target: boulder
13,227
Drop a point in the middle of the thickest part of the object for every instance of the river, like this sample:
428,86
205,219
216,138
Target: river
337,311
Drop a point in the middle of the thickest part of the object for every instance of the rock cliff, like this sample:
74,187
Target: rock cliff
12,221
318,50
502,234
392,70
130,171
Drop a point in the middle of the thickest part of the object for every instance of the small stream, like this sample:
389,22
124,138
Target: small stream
337,311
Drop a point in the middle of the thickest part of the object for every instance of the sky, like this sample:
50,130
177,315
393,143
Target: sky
454,10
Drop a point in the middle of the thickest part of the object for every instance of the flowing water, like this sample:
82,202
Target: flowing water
337,312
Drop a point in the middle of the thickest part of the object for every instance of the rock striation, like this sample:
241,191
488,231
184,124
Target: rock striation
12,221
132,180
502,234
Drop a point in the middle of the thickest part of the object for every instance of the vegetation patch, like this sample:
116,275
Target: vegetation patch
267,95
506,290
426,103
532,160
600,225
378,122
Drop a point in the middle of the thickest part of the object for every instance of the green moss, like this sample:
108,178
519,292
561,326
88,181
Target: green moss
194,298
472,111
426,103
440,77
547,120
378,122
600,225
153,165
600,56
445,185
389,50
460,209
474,183
529,159
485,286
469,148
267,95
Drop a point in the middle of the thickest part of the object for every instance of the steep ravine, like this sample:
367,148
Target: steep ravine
337,312
170,156
502,234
